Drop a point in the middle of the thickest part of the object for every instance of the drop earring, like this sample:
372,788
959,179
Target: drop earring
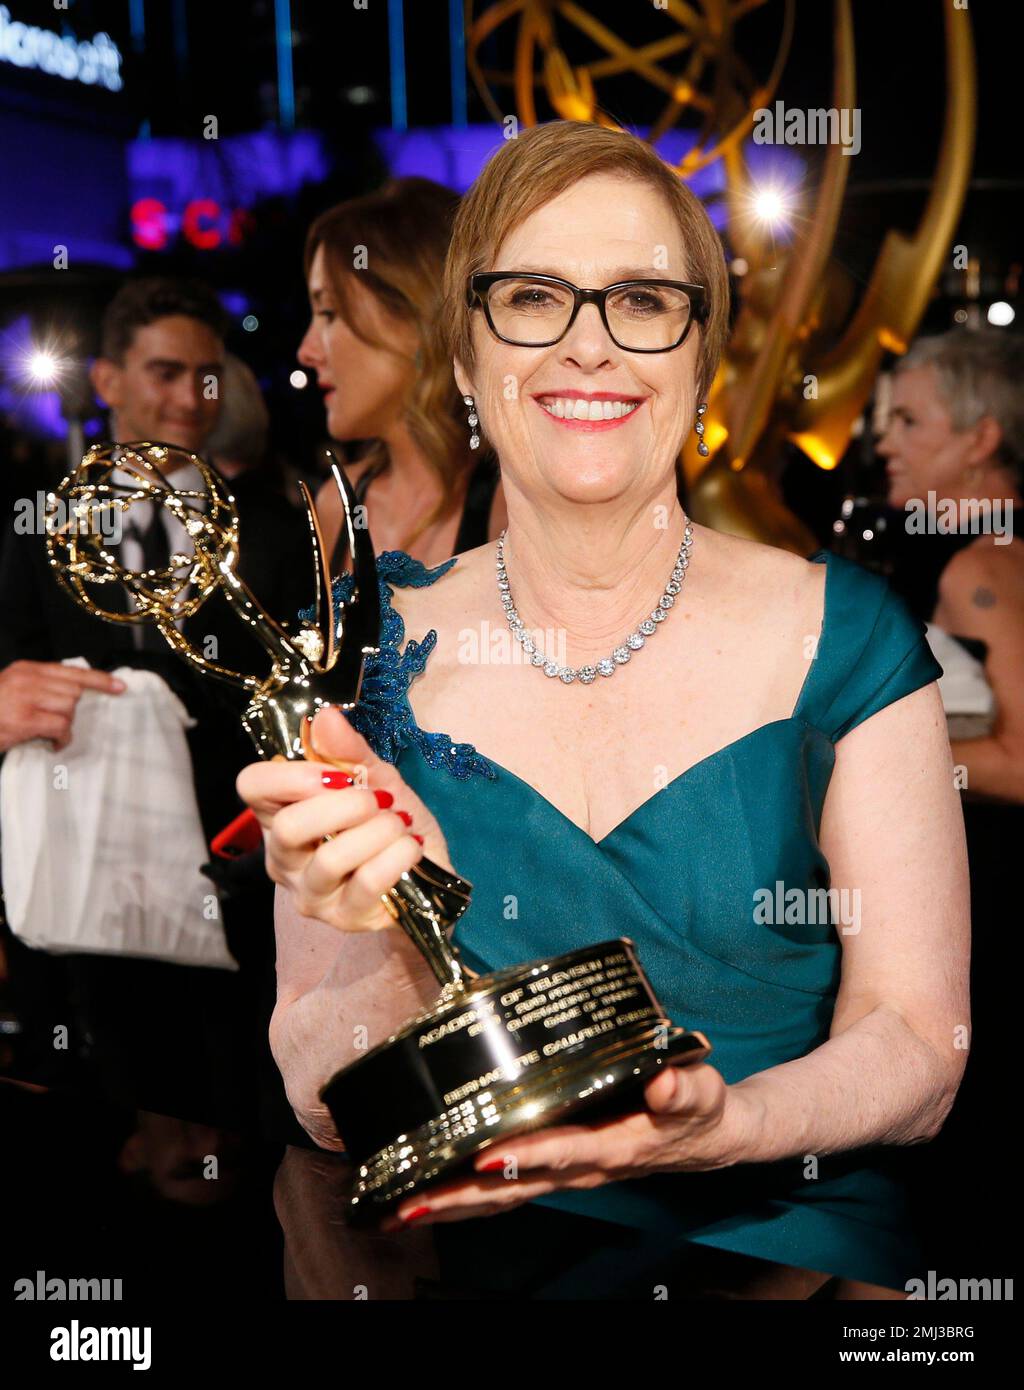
698,426
473,420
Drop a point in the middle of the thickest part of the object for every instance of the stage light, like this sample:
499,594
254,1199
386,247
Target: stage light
1001,314
771,206
299,380
42,368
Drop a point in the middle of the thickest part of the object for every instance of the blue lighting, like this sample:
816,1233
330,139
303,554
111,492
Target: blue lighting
457,45
29,408
285,78
454,155
42,202
235,303
179,21
137,20
235,171
396,48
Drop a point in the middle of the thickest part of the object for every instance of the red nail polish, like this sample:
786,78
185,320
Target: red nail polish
384,799
491,1166
419,838
404,817
415,1215
337,780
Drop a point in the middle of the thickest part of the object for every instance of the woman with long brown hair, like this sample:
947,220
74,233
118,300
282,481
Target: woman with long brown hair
374,266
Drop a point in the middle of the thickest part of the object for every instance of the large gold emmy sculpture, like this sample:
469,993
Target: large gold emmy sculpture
793,301
497,1054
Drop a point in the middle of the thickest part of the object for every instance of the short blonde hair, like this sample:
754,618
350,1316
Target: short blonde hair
534,168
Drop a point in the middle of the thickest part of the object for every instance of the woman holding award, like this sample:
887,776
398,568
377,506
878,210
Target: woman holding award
684,739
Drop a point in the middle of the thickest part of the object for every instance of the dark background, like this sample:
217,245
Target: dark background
63,157
199,59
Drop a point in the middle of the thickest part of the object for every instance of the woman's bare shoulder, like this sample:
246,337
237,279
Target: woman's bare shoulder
999,559
984,576
764,579
451,597
749,576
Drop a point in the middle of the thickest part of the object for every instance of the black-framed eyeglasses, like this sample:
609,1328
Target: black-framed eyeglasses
527,310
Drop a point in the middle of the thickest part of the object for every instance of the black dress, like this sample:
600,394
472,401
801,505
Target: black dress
995,837
476,509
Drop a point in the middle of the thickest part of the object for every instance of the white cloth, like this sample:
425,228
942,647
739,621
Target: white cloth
101,842
967,697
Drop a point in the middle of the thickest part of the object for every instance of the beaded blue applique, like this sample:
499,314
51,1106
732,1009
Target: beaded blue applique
383,715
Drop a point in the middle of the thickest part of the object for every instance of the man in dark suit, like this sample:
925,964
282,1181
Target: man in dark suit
170,1037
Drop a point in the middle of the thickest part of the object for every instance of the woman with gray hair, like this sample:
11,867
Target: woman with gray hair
954,447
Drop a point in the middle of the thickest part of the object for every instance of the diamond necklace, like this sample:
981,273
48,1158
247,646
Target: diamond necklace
619,657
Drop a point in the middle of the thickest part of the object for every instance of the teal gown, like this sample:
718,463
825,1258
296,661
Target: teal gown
679,876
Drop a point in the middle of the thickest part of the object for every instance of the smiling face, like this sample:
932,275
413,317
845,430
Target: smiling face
162,389
364,387
584,419
921,448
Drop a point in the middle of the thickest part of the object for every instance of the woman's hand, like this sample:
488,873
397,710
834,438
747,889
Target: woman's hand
693,1122
378,827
